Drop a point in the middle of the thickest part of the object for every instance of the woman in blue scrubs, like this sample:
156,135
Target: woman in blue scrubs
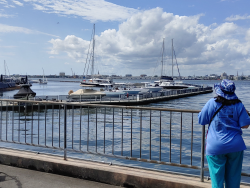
225,145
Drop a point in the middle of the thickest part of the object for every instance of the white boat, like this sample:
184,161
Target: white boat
122,87
34,81
43,81
97,82
86,94
110,92
152,88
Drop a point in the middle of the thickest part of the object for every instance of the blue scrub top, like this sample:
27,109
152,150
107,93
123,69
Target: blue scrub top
224,135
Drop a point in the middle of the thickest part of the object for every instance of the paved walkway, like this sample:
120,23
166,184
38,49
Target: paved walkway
13,177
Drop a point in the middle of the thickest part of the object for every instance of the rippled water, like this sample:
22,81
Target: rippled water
56,88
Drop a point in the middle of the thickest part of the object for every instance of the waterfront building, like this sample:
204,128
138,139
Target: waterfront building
62,74
224,76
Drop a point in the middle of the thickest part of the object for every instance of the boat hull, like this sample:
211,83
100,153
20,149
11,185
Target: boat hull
6,85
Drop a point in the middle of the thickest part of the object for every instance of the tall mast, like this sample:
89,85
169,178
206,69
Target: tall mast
162,57
93,60
5,67
172,59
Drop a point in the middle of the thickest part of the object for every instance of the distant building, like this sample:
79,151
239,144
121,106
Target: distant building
231,77
224,76
143,75
128,75
62,74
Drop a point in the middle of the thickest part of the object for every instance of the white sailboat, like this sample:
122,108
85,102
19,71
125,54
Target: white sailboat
94,81
167,82
43,81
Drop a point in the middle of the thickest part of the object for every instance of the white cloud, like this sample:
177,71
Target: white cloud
237,17
14,29
3,2
136,45
39,7
9,29
6,4
90,10
248,35
18,3
5,15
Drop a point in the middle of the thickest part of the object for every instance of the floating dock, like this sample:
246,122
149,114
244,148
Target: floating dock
15,105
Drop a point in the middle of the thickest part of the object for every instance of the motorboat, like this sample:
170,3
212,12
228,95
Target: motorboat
86,94
110,92
151,88
96,82
34,81
175,85
24,91
6,83
130,90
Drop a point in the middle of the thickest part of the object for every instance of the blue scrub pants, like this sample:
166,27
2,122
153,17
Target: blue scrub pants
225,168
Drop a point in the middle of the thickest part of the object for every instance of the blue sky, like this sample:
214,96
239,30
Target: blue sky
209,36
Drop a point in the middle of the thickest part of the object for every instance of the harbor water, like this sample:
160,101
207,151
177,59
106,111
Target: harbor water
56,87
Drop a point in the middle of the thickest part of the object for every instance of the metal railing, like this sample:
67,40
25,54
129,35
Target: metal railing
154,135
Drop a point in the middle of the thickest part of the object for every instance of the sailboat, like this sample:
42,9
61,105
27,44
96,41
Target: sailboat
88,93
43,81
94,81
167,82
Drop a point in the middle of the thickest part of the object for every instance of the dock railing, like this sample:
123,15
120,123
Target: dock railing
163,136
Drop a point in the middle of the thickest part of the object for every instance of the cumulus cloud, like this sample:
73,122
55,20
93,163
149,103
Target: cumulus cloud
237,17
136,45
14,29
90,10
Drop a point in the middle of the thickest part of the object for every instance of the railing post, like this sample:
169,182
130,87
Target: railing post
65,132
1,117
202,153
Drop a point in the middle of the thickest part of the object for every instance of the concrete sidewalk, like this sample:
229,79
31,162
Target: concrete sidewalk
99,172
13,177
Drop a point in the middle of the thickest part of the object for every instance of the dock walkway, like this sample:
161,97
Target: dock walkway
99,172
94,171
